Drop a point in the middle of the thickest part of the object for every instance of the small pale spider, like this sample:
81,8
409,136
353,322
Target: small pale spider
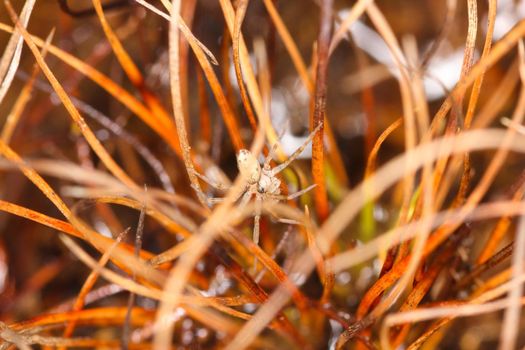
262,182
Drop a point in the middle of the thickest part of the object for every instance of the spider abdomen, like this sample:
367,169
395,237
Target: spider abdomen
269,184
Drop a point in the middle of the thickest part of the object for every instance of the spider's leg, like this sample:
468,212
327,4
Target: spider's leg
294,195
200,193
300,193
288,221
271,153
297,152
218,186
257,224
257,218
215,200
283,220
246,196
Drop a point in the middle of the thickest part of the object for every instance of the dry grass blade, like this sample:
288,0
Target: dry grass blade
178,111
167,222
368,221
204,111
357,10
22,99
100,242
13,337
425,200
35,178
476,305
468,58
476,88
499,49
420,290
406,89
125,60
131,299
242,5
324,269
500,229
82,230
13,50
511,319
182,26
103,185
493,106
372,158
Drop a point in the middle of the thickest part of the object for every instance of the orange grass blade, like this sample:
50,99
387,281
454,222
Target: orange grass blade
319,114
517,191
113,89
511,319
251,81
182,26
334,155
103,316
73,112
132,70
290,46
94,238
204,111
89,283
406,89
148,291
421,289
168,223
61,226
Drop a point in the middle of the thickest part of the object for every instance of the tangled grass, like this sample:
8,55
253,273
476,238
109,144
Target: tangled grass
416,217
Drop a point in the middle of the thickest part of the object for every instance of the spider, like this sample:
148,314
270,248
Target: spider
262,182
